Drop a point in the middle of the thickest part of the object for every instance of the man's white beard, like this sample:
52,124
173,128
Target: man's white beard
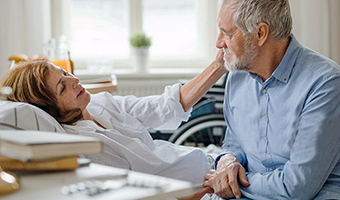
242,63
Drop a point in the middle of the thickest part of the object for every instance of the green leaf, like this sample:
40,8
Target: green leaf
140,40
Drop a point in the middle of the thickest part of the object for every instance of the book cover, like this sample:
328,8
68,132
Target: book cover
39,145
65,163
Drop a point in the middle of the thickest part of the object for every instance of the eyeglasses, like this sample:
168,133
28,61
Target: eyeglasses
8,182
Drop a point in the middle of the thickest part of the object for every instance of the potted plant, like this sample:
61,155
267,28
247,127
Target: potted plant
140,44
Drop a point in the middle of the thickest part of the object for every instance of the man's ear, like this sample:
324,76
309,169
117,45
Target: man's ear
262,33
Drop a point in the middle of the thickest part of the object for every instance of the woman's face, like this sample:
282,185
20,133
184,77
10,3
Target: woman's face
69,93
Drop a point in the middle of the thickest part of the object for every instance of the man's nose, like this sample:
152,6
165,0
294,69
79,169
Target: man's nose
220,43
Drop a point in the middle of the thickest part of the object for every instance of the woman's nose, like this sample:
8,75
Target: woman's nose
73,81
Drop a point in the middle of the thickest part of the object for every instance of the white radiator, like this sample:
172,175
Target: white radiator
142,87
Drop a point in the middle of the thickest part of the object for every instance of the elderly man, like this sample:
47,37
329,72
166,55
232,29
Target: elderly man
282,109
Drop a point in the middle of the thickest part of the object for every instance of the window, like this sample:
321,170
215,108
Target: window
183,32
99,29
168,22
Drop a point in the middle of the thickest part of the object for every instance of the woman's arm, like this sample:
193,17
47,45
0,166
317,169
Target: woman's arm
193,91
164,111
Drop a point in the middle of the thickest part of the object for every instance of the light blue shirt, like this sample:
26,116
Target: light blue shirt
286,130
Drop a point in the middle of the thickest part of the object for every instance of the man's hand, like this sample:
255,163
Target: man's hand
225,179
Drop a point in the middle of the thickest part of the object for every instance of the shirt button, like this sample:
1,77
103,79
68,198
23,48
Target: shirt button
270,169
264,91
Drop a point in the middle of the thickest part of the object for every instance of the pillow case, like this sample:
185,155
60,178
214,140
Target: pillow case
24,116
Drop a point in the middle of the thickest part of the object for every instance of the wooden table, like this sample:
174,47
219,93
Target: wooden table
50,185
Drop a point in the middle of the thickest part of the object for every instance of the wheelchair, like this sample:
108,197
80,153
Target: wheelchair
206,124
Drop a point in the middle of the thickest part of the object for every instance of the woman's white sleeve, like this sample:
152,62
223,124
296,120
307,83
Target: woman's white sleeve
158,111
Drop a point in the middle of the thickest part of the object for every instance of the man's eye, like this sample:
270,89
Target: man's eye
66,73
227,35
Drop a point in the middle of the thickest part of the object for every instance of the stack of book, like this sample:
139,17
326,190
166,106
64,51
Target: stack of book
44,151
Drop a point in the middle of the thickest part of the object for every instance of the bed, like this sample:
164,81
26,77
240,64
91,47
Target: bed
24,116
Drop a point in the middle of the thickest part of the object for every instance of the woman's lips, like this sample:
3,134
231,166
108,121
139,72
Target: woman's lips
81,92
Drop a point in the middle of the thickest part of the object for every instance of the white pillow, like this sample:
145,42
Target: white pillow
24,116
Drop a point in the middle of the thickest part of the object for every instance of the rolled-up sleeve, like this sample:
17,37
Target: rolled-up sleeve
158,111
169,109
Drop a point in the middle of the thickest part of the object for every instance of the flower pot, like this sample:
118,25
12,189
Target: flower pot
140,56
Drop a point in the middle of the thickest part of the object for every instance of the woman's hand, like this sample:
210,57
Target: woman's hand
220,58
195,89
224,181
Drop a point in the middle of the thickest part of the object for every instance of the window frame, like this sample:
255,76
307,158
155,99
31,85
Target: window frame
207,34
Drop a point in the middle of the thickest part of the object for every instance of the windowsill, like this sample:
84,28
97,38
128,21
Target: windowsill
180,73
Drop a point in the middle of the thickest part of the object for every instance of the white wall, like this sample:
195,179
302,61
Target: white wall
26,24
24,27
316,24
334,30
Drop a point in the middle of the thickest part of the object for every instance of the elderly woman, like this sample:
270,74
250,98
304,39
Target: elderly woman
120,122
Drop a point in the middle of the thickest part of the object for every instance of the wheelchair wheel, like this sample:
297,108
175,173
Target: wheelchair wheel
201,131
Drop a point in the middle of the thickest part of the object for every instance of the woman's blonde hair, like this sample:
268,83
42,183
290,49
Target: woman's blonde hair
28,83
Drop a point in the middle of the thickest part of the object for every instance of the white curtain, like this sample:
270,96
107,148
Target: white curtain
25,25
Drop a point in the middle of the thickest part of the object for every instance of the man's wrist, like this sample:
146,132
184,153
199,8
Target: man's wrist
225,157
218,158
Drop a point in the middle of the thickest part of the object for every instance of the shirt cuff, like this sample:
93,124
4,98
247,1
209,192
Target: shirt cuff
237,156
218,159
174,101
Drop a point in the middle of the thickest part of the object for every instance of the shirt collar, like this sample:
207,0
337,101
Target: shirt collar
284,70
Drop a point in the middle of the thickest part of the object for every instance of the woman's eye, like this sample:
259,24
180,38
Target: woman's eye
62,89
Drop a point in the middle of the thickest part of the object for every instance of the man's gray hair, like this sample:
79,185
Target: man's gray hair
275,13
